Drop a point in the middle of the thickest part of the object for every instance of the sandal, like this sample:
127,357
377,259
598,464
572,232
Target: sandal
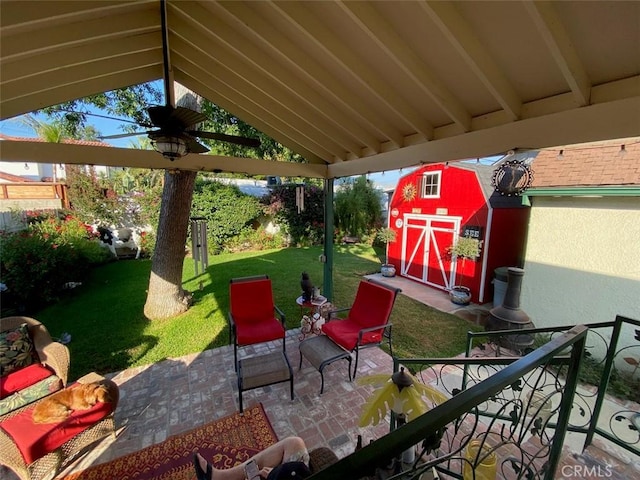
201,474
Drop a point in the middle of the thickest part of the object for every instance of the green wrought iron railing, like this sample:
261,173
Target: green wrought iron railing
609,358
517,409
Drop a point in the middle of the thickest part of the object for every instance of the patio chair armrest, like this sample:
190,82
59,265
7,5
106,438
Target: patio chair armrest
56,355
232,327
371,329
280,314
11,456
332,313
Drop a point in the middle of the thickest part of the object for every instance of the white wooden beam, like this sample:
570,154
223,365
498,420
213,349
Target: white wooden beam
460,35
80,55
52,39
257,84
617,119
383,34
321,39
225,96
59,79
43,152
555,36
304,75
82,88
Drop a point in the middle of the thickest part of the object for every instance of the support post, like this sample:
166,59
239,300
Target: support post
327,287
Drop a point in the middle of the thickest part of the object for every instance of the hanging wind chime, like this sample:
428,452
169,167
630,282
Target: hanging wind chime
300,198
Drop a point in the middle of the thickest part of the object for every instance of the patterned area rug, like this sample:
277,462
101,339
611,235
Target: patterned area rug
225,443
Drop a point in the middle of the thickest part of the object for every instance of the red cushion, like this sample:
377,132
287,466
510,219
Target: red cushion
252,310
251,301
35,440
264,331
372,305
345,334
23,378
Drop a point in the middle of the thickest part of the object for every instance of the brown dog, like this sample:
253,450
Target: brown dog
60,405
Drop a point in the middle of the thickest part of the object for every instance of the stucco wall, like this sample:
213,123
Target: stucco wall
582,261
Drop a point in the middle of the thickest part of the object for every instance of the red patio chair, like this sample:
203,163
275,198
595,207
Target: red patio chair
252,314
367,322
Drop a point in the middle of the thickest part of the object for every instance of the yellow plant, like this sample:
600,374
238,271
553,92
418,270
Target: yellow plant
412,400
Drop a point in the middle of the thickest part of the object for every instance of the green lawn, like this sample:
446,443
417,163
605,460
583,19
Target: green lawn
110,333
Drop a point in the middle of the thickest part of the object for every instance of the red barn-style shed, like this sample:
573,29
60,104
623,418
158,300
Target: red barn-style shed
435,204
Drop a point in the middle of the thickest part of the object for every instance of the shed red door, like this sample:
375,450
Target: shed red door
424,242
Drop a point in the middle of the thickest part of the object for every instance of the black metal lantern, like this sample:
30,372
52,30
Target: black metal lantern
512,177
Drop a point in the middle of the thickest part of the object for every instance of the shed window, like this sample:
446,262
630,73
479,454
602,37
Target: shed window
431,185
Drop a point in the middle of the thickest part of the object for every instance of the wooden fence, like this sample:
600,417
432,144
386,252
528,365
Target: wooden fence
35,191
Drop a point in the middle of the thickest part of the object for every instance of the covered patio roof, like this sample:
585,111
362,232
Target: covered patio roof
354,87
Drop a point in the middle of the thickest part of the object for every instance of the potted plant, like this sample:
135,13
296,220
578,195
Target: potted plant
386,235
466,248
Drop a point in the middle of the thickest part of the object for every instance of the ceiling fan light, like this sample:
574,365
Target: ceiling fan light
169,146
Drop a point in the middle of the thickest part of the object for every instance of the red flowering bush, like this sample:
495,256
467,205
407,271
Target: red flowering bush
38,261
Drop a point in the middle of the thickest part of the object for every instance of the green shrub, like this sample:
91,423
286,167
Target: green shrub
304,227
37,262
254,240
358,208
228,211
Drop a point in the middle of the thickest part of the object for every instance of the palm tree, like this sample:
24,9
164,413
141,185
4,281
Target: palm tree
52,132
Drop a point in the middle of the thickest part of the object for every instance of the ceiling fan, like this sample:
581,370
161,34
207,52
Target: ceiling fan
174,136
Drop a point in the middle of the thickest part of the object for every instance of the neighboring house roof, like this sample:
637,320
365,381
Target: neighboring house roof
10,178
73,141
589,165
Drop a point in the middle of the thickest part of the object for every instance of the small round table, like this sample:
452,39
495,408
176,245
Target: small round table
305,306
309,309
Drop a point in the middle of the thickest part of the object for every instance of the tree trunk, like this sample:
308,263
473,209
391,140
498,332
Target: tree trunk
166,297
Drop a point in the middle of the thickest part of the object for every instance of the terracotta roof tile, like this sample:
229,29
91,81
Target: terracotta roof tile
588,165
73,141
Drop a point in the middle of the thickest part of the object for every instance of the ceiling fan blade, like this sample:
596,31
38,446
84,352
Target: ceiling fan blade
246,141
97,115
121,135
194,146
160,114
188,117
168,117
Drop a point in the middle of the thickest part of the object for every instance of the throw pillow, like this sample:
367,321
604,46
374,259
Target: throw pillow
16,349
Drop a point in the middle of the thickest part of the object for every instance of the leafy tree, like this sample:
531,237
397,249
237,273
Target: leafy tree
221,121
358,207
57,130
165,296
130,103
